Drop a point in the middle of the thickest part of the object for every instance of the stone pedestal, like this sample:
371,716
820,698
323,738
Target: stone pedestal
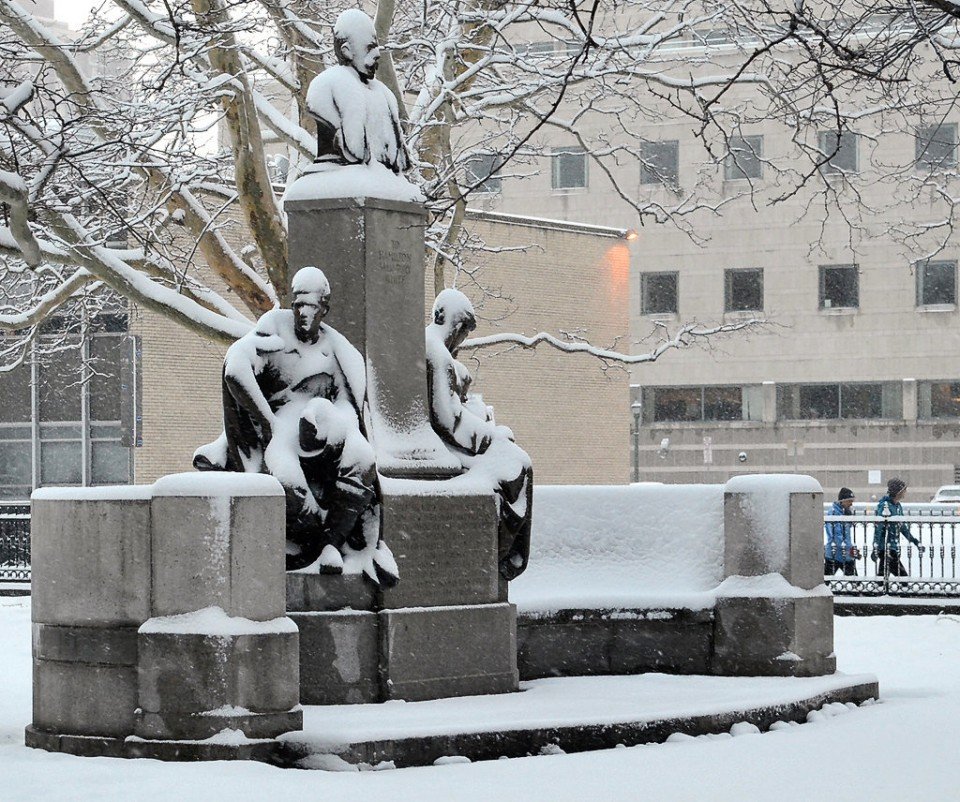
774,615
159,613
445,630
372,251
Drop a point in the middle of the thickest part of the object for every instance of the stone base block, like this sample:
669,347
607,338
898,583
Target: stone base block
763,636
571,643
338,656
190,684
445,546
435,652
318,592
84,679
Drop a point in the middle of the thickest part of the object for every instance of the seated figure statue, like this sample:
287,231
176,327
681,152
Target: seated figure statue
293,392
358,118
468,429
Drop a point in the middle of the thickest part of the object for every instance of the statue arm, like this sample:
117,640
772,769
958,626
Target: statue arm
452,420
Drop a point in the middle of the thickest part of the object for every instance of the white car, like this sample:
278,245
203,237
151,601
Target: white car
948,494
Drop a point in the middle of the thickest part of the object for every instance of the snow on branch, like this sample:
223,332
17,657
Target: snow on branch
13,192
686,336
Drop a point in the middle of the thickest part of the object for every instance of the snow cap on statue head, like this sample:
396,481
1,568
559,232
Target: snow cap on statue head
451,307
310,281
356,31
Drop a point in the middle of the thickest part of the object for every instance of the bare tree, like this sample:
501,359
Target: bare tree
112,178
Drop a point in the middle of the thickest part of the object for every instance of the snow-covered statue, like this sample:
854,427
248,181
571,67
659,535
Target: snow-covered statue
466,425
358,119
293,395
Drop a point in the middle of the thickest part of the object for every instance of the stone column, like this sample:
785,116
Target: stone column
910,400
373,252
774,614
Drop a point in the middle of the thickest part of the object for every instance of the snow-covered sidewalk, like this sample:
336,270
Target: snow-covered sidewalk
903,748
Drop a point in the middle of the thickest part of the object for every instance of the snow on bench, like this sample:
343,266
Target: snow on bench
641,546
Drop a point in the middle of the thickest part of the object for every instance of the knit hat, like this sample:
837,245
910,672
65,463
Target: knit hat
844,494
895,487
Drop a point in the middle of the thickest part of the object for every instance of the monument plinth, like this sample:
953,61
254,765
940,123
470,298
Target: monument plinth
372,251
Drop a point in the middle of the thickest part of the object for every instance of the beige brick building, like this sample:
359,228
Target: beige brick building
569,413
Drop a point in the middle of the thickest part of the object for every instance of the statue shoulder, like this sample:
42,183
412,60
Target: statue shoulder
330,84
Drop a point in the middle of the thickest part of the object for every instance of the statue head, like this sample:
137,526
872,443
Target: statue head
453,313
355,43
311,302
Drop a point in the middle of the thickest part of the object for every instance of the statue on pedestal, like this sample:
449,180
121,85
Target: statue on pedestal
293,394
358,118
466,425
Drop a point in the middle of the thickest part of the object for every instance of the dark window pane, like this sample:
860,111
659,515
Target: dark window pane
861,401
15,395
16,459
660,163
105,391
479,171
723,403
60,463
744,160
569,168
60,386
945,400
936,283
936,146
677,404
743,291
658,293
819,402
839,286
110,463
841,150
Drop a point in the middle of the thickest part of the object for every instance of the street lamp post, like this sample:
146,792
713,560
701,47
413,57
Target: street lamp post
635,407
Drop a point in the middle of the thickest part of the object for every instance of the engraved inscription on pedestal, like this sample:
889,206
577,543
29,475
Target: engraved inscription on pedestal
445,547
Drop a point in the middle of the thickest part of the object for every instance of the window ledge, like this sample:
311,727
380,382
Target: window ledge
743,314
937,308
569,190
661,317
839,310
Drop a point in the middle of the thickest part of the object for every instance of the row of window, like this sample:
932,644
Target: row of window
833,401
936,285
66,414
935,148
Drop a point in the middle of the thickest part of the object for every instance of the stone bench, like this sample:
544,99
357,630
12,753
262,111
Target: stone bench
705,579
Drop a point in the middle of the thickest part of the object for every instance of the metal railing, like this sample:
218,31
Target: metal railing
931,569
15,543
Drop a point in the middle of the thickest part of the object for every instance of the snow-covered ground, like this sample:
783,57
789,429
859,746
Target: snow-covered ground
904,748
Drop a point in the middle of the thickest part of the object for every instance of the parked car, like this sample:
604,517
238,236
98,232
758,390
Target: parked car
948,494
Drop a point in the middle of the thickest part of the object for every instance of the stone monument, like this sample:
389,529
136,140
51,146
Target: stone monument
447,628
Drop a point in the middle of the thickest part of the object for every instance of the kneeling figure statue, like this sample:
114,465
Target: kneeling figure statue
466,425
293,395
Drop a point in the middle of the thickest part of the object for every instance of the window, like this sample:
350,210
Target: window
841,151
480,170
535,51
660,163
711,403
936,283
839,286
658,293
864,401
83,397
745,158
936,146
938,399
569,168
743,290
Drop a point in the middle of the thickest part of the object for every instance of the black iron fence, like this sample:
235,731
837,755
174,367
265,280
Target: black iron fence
929,570
15,543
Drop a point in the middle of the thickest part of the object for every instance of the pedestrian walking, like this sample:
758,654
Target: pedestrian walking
886,533
839,553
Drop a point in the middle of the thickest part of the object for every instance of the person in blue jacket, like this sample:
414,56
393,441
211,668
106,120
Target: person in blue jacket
886,534
839,553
